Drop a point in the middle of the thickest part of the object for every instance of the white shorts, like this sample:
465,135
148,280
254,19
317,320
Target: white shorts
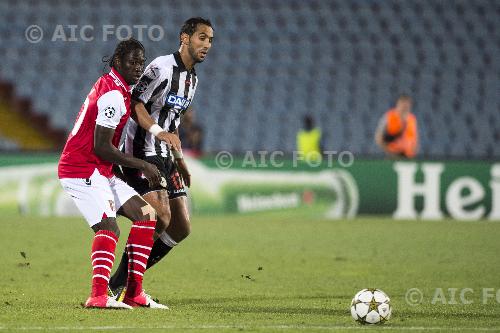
97,197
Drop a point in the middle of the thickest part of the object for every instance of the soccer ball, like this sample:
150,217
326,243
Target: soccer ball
371,306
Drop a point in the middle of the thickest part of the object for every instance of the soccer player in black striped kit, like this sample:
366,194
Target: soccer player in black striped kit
161,97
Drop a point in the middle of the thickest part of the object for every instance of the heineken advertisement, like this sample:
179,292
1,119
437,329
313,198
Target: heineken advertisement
401,189
429,190
328,192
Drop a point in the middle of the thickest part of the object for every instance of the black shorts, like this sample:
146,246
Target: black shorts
168,171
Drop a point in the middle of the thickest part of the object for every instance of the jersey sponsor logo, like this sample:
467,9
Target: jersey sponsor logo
109,112
177,101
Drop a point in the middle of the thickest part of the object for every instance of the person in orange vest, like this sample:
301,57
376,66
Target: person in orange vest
397,132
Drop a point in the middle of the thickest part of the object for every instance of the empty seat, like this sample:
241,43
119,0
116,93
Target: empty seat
273,61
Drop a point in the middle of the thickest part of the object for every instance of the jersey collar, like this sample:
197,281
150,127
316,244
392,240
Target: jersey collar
119,79
180,64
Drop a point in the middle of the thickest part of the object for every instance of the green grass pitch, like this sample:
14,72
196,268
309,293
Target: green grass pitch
275,272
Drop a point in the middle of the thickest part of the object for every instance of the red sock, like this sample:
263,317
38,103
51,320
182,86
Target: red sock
139,244
103,256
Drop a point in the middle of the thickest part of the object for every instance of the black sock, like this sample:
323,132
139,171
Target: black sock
158,251
119,278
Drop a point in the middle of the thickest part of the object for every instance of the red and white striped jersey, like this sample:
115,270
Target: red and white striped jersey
108,105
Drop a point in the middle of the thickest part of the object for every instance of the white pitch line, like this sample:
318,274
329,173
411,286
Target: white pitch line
246,327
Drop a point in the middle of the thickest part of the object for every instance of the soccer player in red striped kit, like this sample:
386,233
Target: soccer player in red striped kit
85,172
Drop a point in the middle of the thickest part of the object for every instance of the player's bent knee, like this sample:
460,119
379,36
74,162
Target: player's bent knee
109,224
187,227
149,212
162,223
164,215
184,233
182,228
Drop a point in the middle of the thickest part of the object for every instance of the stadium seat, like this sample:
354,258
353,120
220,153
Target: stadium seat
273,61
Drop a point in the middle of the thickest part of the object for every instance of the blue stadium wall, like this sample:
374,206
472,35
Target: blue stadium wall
275,60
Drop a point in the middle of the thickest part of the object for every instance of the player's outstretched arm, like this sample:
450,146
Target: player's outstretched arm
143,119
105,150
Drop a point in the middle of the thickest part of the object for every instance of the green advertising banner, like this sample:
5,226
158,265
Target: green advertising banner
326,192
401,189
464,190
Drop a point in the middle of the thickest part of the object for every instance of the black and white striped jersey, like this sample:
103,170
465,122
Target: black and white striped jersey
166,88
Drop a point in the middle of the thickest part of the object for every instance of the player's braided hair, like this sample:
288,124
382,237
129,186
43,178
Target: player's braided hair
189,27
123,48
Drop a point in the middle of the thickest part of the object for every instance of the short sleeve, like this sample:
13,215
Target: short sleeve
110,109
154,80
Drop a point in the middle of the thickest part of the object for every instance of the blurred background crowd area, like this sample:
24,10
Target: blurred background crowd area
344,62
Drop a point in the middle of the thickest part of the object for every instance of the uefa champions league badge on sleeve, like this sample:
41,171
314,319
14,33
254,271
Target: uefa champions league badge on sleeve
109,112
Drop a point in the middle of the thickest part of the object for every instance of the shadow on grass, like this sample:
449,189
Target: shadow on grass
283,310
253,298
237,304
242,304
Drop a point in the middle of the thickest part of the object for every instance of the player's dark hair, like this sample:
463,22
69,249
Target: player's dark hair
308,122
189,27
123,48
